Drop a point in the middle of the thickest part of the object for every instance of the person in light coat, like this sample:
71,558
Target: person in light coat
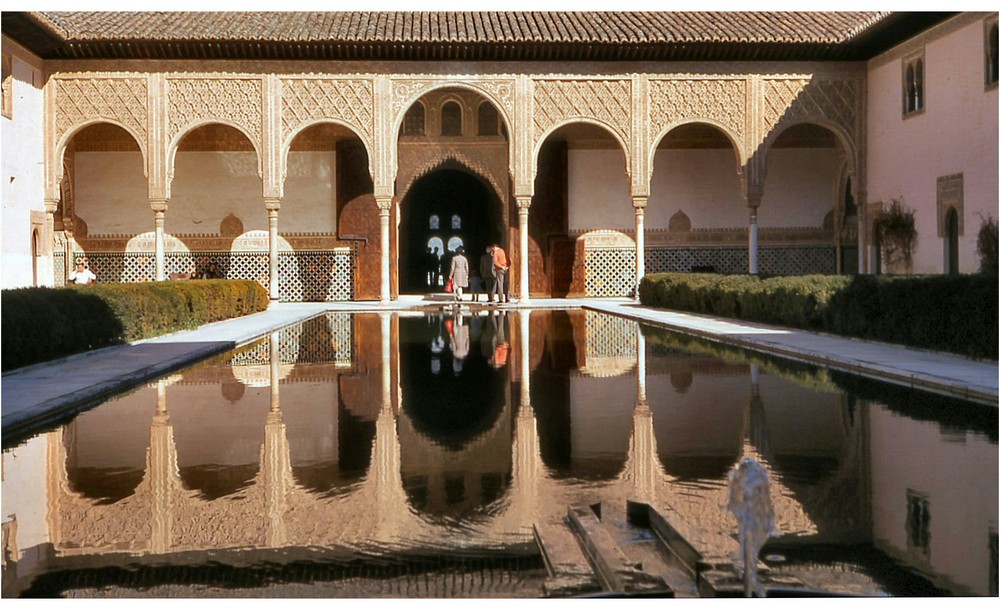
459,272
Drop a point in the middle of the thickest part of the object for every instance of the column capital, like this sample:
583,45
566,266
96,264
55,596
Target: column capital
523,203
753,202
51,205
158,205
272,204
639,202
384,203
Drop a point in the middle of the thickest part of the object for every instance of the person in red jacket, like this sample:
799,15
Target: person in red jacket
500,266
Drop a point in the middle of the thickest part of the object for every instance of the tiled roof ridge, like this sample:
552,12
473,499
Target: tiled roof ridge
551,27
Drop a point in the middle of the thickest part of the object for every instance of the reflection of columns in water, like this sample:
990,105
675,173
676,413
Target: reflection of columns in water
390,499
754,427
276,460
162,469
642,445
527,457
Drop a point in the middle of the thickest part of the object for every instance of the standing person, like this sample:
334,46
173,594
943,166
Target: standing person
486,272
459,272
500,267
82,275
432,263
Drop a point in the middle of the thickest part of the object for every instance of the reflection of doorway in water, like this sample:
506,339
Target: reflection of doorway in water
443,210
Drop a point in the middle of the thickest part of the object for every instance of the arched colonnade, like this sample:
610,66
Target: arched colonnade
751,108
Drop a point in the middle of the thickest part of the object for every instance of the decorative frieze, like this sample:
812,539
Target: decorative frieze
498,91
719,101
233,100
608,101
350,101
82,100
789,100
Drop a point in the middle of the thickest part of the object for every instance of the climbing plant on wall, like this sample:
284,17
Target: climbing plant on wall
896,234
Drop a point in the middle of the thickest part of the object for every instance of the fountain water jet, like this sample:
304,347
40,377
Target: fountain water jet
750,502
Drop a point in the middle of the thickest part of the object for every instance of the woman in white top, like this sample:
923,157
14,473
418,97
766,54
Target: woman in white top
82,275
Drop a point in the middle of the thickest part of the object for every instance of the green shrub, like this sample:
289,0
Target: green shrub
986,245
956,313
40,324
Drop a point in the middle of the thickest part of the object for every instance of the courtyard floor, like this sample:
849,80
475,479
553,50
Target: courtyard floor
44,393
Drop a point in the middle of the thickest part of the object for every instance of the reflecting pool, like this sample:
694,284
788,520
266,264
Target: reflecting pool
409,455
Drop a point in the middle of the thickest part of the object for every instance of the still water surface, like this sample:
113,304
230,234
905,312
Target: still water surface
335,449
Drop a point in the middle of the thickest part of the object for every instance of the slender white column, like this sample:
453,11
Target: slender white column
753,239
51,205
384,208
639,203
523,203
159,207
272,205
640,351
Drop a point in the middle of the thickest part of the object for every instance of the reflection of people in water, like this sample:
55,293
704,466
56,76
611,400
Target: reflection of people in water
459,342
437,346
494,343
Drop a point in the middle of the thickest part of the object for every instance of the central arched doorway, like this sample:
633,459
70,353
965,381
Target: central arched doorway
443,210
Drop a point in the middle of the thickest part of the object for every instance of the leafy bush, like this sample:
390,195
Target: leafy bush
896,233
986,245
40,324
950,313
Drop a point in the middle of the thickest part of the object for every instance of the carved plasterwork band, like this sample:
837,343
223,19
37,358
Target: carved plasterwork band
677,101
605,101
236,101
499,91
82,101
787,101
347,101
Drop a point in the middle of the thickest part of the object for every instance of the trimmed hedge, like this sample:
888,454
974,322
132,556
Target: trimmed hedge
40,324
953,313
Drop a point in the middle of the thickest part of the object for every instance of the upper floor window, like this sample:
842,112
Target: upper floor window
451,119
488,119
8,86
413,122
913,85
434,222
992,61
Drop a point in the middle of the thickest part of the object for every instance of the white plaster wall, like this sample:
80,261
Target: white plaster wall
110,193
957,133
701,183
957,472
23,170
310,201
598,191
800,187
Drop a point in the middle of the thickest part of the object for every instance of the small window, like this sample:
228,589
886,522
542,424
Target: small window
991,52
451,119
918,521
913,85
488,119
413,121
456,221
434,222
8,87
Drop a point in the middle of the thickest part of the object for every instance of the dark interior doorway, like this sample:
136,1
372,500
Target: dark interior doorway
443,210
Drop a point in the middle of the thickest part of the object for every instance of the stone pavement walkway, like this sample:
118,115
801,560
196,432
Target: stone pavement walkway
921,369
47,392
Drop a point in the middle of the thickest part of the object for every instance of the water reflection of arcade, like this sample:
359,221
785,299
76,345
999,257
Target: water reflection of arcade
299,457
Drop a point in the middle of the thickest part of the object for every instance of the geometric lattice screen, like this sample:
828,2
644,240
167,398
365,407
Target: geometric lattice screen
611,271
306,275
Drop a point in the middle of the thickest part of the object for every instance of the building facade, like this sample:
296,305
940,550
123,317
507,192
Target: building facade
325,161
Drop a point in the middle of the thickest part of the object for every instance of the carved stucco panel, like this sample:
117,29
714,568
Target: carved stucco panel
348,100
499,91
80,100
676,100
797,99
608,101
236,100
